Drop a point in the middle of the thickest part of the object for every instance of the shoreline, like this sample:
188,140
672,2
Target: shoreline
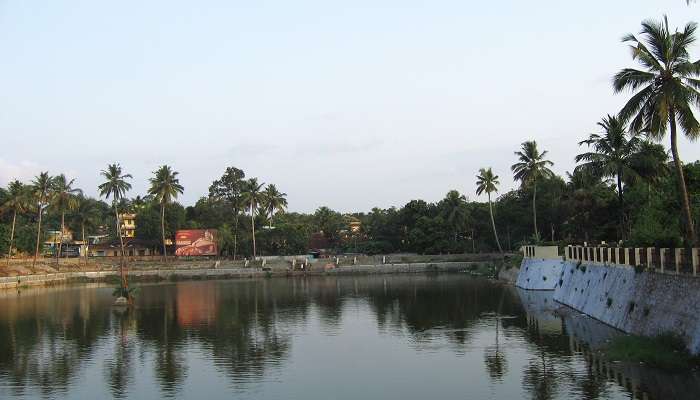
181,274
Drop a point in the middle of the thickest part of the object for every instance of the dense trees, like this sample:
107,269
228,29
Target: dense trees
583,207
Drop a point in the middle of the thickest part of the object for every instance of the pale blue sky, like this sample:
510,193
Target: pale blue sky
346,104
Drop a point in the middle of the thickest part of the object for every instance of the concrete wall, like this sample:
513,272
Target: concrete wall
640,303
539,274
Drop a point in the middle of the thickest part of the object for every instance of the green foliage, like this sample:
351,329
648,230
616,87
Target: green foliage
666,351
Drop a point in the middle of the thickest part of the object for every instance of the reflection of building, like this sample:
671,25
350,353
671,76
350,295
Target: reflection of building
128,225
196,305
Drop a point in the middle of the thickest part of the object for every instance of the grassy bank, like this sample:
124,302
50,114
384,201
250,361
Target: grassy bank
666,351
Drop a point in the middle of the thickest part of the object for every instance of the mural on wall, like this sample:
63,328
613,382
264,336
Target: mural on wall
196,242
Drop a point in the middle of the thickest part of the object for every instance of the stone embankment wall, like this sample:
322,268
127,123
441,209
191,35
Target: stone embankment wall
225,273
642,303
631,300
539,274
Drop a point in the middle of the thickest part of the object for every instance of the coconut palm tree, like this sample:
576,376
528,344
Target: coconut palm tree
252,195
16,203
64,198
531,166
41,192
612,155
85,214
665,91
165,186
274,201
487,182
116,187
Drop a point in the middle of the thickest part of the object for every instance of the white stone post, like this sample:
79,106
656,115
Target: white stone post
354,260
662,259
383,259
650,256
695,260
623,257
678,260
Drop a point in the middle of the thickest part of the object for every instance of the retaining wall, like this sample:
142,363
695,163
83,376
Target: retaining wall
539,274
225,273
641,303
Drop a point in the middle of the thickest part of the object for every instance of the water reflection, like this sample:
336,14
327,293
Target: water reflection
445,335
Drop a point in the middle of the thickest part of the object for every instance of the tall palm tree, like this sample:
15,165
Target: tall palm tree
252,195
487,182
531,166
41,192
16,203
85,214
116,187
64,198
274,201
612,155
664,93
165,186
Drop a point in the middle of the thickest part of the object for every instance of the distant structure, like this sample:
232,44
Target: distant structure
127,223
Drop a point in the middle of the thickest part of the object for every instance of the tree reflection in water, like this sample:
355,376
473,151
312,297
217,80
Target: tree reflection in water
245,330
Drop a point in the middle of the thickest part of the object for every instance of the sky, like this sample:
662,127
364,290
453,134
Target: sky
351,105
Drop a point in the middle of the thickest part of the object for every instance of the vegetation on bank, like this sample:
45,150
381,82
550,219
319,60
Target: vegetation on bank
666,351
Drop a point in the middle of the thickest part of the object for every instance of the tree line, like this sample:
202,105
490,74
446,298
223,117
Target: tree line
625,187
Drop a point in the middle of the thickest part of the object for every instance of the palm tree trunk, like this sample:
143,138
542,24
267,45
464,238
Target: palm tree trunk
493,224
621,200
252,223
534,209
162,230
12,237
38,236
121,244
235,236
60,236
82,230
690,228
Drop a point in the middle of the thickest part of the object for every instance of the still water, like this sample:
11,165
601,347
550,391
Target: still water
373,337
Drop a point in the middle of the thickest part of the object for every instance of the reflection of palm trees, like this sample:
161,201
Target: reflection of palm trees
118,370
495,360
496,363
539,379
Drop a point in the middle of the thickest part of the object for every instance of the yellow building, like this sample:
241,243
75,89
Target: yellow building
127,224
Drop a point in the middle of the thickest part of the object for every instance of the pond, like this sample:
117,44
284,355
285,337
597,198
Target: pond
447,336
